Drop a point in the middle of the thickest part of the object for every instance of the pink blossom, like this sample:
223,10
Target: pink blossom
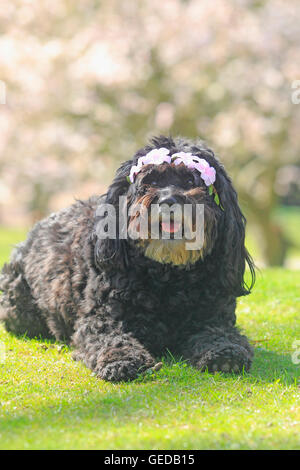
135,169
186,158
208,174
161,155
155,157
202,164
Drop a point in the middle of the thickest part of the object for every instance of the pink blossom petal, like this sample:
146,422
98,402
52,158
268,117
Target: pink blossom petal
161,155
134,170
155,157
202,164
187,158
209,175
181,155
157,153
145,160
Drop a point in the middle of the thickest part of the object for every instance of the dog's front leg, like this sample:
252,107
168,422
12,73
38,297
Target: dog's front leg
217,349
105,348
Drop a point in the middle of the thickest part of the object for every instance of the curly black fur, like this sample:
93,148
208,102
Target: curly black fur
121,309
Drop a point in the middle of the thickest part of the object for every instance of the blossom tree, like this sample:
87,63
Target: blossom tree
88,82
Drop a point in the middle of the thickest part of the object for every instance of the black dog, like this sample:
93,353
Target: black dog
122,302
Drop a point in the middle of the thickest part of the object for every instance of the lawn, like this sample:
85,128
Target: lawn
49,401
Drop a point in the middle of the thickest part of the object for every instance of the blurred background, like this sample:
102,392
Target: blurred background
84,84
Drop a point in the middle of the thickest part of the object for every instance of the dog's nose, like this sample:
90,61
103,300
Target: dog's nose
167,196
168,200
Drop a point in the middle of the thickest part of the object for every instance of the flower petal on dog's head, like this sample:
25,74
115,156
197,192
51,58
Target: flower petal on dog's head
188,159
133,172
161,155
208,175
155,157
202,164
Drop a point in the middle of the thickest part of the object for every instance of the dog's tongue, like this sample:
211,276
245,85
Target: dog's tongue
171,227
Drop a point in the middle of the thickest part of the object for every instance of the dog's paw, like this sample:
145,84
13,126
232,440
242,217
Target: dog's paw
123,364
230,359
122,371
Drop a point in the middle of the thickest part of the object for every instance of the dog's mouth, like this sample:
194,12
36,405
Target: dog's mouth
171,226
161,224
169,237
167,244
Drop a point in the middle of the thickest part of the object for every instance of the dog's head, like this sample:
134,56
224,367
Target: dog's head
174,204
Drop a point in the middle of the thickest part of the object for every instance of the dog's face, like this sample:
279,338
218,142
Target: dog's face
172,199
169,184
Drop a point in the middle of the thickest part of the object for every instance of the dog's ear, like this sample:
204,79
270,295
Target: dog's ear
112,250
233,254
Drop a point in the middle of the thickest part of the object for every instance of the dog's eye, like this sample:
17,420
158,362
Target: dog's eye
153,183
190,182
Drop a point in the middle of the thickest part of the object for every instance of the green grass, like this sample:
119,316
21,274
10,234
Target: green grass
49,401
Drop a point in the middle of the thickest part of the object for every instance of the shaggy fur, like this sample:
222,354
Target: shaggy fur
122,306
